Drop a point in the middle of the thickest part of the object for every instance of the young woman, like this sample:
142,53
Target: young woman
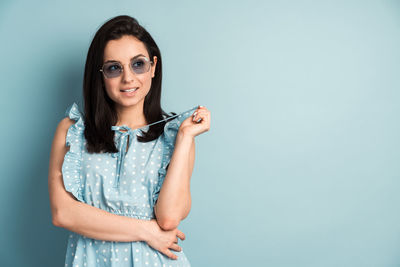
119,174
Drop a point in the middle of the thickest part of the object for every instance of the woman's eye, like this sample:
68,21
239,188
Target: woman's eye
138,64
113,68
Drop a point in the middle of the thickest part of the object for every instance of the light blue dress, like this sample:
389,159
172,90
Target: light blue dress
121,183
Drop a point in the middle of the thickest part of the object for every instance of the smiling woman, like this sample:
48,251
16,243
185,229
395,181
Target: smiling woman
128,79
119,174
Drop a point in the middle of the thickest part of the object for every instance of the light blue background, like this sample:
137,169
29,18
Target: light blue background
301,164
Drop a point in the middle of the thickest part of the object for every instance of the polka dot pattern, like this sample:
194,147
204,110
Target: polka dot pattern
127,184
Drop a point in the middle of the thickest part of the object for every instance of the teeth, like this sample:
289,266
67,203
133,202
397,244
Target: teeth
130,90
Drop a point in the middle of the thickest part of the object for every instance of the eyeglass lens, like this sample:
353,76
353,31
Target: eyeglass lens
138,65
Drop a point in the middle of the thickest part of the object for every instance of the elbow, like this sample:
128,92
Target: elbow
168,224
57,219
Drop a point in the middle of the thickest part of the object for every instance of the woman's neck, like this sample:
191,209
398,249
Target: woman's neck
132,116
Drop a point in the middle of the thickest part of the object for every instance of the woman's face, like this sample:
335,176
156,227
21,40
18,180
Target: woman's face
123,50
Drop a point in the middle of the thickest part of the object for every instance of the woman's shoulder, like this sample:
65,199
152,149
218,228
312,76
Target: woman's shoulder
73,112
71,116
71,124
62,128
65,124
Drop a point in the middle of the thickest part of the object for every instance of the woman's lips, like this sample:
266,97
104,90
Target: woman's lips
130,89
129,93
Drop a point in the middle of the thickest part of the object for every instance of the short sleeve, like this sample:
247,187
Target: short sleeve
71,168
168,140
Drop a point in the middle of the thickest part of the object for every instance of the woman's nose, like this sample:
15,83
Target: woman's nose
127,74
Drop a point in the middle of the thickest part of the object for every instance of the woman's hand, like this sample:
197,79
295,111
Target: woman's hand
162,240
191,127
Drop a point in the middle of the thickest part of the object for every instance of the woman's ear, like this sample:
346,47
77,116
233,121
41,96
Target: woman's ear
153,68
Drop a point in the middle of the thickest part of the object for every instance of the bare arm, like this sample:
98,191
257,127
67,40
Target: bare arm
174,201
92,222
80,217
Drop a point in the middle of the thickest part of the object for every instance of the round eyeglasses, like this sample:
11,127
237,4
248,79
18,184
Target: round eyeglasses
114,69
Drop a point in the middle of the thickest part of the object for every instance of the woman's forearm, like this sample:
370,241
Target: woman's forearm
80,217
174,200
96,223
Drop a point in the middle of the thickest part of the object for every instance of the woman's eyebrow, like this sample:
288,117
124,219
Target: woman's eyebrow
131,58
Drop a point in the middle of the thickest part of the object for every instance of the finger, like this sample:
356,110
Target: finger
181,235
199,115
200,118
199,111
175,247
169,254
202,107
196,118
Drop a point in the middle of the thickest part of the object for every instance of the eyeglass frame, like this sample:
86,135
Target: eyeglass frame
130,66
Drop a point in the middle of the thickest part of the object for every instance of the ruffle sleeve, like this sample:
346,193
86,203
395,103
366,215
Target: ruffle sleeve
71,168
168,140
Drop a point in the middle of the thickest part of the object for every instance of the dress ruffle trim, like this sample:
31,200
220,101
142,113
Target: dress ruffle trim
72,165
171,129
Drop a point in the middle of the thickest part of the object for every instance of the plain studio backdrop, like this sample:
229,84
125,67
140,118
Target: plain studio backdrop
301,164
